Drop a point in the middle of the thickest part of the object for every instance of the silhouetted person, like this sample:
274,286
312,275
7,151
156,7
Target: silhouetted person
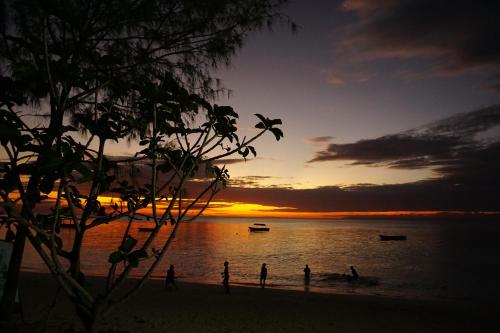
225,276
307,274
170,279
355,275
263,276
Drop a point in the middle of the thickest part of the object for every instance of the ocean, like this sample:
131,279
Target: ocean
439,259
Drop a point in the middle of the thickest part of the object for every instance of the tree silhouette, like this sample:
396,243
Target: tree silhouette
113,70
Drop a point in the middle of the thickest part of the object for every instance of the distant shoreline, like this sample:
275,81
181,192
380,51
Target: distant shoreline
435,217
484,216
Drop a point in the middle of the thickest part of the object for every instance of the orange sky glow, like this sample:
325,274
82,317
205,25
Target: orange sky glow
253,210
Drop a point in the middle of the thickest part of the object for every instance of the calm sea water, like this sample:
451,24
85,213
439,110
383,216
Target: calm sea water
458,260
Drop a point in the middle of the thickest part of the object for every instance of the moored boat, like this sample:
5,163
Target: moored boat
66,223
260,228
392,237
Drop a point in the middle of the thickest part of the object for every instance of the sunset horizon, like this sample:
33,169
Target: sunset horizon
249,166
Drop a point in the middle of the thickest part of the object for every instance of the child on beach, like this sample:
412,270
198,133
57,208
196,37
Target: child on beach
170,279
307,274
263,276
225,276
355,275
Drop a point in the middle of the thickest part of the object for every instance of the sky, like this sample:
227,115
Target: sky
387,105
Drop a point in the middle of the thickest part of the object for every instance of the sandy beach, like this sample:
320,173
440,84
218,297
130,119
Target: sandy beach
206,308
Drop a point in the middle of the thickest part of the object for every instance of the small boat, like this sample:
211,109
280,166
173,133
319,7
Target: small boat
66,223
393,237
260,228
145,229
261,224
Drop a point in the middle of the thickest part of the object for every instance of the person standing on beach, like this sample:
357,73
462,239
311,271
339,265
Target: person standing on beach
263,276
355,275
225,276
307,275
170,279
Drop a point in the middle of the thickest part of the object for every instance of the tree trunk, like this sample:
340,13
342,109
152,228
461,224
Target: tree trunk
7,306
75,257
11,285
90,320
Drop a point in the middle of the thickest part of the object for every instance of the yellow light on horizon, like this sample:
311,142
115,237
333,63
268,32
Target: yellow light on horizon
251,210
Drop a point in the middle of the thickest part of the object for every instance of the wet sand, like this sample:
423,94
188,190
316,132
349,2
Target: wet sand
206,308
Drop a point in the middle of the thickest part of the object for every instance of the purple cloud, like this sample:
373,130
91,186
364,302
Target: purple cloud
453,37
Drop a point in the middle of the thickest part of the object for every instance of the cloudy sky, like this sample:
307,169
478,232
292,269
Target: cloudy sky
387,105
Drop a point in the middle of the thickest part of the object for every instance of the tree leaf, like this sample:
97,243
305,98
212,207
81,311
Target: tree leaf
278,134
116,257
276,122
261,117
133,261
128,244
139,254
252,149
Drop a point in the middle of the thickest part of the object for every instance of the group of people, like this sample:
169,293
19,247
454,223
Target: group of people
170,278
263,276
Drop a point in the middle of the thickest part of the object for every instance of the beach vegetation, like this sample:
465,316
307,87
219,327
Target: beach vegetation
77,75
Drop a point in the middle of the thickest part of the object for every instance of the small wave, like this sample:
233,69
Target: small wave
361,281
268,285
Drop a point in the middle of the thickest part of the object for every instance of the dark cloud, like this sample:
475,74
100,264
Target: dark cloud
418,196
451,141
248,181
456,36
466,124
392,149
320,139
227,161
466,163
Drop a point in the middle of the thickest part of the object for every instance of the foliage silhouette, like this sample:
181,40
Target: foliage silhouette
101,71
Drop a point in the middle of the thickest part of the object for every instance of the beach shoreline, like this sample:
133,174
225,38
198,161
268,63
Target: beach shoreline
206,308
